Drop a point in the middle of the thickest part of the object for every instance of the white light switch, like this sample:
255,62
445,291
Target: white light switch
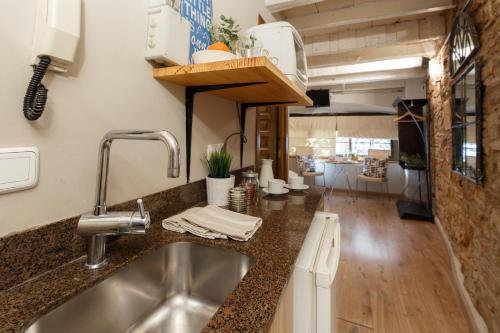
18,168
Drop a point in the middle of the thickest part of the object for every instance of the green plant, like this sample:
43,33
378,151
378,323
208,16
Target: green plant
412,161
219,164
226,31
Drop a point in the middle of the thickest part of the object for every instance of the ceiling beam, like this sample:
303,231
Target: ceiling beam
369,86
423,48
275,6
400,74
366,12
367,67
410,32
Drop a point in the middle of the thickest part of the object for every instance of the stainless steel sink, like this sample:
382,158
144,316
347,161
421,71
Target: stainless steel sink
176,289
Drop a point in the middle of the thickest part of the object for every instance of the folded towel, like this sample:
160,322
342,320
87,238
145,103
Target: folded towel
214,222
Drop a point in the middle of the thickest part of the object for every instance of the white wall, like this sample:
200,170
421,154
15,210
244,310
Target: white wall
383,98
110,86
415,89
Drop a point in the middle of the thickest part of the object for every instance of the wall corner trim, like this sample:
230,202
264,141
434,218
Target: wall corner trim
475,319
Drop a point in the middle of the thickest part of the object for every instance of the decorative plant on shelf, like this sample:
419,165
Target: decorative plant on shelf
219,180
219,164
224,34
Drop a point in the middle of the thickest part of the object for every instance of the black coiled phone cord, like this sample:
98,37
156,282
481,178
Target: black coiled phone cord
36,95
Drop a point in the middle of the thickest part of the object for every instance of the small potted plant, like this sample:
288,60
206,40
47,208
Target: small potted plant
219,180
408,161
224,36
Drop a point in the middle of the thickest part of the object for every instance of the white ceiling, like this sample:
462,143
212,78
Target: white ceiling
345,32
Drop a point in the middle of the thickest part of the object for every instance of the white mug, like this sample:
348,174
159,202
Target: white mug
275,186
296,182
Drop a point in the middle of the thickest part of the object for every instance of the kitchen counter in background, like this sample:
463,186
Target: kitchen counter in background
249,308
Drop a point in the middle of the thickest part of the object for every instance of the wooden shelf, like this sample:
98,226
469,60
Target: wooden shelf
274,87
250,81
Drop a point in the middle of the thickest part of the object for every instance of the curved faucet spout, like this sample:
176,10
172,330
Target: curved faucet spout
167,138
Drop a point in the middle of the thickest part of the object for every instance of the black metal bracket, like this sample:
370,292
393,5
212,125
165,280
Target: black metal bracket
190,94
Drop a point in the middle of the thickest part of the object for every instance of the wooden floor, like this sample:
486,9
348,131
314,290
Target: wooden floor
394,274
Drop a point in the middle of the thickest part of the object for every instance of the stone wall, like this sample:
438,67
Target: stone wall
469,213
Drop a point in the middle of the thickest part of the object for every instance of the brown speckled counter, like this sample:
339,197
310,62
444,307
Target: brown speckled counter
249,308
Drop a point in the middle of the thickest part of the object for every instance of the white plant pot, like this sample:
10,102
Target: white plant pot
218,190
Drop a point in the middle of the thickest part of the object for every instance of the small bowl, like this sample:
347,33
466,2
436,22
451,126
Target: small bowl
205,56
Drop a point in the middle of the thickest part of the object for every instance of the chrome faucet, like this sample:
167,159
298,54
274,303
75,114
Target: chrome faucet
101,223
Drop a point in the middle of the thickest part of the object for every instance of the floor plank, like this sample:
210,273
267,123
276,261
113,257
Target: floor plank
394,274
347,327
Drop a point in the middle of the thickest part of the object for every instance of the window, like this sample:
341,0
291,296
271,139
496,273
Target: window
321,147
342,147
466,93
361,146
466,124
464,42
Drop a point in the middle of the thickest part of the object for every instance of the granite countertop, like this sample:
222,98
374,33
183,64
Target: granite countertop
249,308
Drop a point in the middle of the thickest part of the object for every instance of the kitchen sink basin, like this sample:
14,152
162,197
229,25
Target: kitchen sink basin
177,289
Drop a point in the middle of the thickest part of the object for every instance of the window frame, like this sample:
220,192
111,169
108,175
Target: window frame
463,31
458,148
351,145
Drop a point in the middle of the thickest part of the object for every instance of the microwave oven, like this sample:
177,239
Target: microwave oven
284,43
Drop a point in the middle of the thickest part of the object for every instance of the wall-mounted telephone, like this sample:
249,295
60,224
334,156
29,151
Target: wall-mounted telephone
57,33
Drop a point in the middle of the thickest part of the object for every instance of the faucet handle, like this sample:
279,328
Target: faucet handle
141,208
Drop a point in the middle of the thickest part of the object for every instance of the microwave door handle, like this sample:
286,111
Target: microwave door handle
301,75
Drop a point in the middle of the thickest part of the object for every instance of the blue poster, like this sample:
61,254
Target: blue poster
199,13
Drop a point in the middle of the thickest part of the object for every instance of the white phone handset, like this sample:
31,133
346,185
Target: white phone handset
57,33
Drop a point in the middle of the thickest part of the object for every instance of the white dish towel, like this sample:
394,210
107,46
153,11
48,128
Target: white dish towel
214,222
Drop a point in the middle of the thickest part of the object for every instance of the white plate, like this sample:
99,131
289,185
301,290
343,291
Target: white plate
205,56
303,188
283,191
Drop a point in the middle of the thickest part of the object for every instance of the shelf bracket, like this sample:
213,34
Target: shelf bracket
190,93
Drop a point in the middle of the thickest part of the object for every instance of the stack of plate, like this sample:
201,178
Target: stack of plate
237,199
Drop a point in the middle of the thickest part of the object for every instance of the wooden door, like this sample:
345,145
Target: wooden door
272,139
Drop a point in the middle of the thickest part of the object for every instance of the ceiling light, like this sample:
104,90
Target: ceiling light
373,66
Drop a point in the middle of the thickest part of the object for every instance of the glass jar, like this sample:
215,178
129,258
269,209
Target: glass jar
250,182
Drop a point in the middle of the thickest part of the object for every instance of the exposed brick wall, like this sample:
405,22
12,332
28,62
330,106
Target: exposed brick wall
469,213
